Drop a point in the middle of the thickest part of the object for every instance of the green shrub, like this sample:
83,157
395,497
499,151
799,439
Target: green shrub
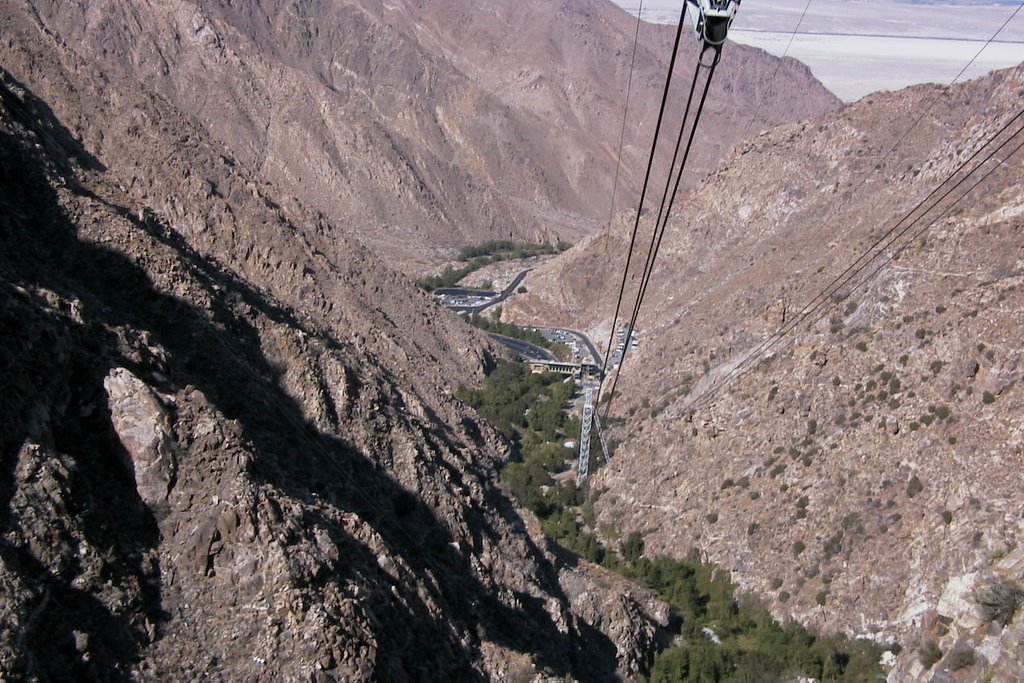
821,597
947,517
988,397
711,517
753,646
798,547
862,346
833,545
632,548
776,584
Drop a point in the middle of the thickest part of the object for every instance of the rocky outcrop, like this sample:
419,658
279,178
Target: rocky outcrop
632,617
143,425
223,454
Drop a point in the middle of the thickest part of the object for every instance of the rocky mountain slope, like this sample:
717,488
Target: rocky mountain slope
227,440
866,474
422,125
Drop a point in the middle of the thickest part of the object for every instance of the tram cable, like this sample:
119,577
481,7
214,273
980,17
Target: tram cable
778,65
625,113
812,306
665,210
643,191
711,21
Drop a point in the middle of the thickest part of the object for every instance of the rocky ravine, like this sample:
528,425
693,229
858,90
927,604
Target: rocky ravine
419,126
866,476
206,477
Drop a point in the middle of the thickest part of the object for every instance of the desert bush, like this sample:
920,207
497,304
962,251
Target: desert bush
961,657
929,654
914,486
999,601
833,545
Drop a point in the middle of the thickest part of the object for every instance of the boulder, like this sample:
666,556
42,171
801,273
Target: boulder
143,425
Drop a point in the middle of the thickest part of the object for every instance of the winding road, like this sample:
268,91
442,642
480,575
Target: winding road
524,349
505,293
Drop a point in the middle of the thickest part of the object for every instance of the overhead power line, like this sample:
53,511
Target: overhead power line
625,113
820,304
647,178
778,65
665,211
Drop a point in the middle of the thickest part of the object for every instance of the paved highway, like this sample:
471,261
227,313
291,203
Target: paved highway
505,293
459,291
525,349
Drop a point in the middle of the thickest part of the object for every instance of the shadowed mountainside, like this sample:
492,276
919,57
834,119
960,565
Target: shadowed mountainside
201,475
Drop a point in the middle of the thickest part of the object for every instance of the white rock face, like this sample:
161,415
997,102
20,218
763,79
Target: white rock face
144,427
957,601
